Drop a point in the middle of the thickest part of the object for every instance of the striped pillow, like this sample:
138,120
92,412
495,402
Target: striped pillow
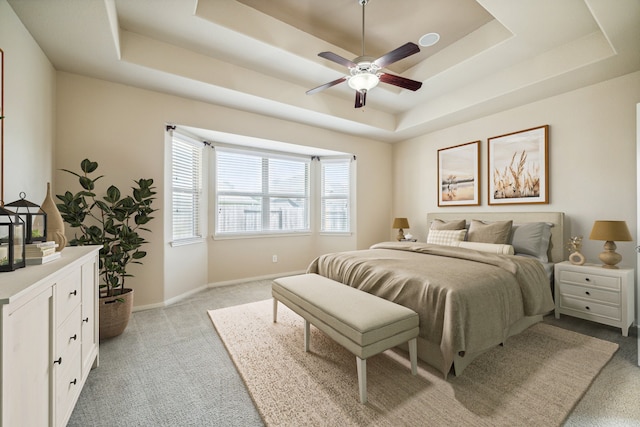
445,237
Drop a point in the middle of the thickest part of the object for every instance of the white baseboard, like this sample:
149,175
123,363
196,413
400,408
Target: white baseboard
185,295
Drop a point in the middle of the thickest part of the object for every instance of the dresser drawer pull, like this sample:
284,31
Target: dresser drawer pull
74,382
86,320
74,292
59,361
74,337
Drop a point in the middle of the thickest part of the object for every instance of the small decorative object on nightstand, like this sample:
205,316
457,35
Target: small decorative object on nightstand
595,293
574,246
400,223
610,231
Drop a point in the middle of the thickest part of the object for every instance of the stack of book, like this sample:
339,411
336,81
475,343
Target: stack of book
40,253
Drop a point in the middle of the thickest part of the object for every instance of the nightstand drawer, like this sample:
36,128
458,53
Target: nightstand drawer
590,294
591,307
590,279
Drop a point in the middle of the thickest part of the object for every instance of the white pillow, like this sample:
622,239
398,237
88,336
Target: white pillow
494,248
446,237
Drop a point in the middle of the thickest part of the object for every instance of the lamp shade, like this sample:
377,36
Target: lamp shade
610,231
400,223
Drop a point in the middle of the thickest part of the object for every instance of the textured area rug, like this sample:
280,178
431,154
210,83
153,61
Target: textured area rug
536,379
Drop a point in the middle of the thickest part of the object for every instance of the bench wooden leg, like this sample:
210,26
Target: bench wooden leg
307,334
362,378
413,355
275,310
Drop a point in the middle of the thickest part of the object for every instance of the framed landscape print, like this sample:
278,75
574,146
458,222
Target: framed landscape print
458,175
519,167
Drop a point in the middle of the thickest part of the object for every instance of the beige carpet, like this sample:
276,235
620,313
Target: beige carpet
535,380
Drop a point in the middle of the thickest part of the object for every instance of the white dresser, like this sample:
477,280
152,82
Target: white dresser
49,327
595,293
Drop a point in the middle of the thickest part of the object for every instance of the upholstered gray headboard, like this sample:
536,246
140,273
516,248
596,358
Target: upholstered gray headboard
559,236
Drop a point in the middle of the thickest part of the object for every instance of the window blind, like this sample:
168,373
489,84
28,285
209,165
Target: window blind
261,192
186,187
335,195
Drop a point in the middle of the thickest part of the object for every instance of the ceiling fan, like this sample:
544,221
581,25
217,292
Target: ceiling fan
364,71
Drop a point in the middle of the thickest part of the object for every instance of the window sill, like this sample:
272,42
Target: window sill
185,242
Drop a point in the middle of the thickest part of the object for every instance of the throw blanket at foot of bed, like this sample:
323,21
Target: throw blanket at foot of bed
362,323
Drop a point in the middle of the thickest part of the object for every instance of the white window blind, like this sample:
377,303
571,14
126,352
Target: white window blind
335,195
261,192
187,158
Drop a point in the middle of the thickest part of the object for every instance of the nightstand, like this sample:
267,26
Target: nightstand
595,293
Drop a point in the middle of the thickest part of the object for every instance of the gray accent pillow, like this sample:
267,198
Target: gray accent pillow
493,232
532,239
456,224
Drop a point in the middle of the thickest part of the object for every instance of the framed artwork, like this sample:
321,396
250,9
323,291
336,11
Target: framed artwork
1,126
519,167
458,175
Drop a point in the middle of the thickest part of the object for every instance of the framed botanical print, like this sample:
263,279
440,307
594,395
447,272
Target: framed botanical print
519,167
458,175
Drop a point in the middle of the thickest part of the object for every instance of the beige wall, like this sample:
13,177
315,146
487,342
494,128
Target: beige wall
29,93
123,129
592,165
592,160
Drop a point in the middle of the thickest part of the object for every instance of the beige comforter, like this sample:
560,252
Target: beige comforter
466,300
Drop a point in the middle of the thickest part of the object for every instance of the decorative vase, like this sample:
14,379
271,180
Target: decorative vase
576,258
55,224
114,313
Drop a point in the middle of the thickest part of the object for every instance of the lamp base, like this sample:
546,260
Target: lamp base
609,256
400,235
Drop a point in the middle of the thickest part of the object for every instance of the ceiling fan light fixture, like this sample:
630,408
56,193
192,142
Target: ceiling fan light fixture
363,81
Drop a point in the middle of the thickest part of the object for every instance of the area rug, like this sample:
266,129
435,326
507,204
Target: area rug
535,379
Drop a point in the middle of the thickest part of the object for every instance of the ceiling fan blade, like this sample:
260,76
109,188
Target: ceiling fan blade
361,99
337,59
326,86
402,52
400,81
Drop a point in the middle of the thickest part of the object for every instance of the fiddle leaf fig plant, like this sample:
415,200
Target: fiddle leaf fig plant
112,221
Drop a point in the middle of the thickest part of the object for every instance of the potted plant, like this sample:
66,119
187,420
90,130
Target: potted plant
113,222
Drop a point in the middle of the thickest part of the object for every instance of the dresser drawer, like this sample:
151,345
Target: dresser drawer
589,293
590,279
68,338
68,292
590,307
68,386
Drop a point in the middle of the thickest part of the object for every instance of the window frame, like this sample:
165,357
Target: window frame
264,194
348,197
199,191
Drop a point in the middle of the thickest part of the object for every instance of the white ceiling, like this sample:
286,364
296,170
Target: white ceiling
261,56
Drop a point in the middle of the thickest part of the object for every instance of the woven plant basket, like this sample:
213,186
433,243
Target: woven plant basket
114,314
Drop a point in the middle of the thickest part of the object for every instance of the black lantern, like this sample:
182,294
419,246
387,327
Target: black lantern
34,218
12,240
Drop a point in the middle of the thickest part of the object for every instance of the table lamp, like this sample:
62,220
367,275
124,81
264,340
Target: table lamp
400,223
610,231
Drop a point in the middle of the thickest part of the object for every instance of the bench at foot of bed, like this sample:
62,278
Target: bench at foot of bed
361,322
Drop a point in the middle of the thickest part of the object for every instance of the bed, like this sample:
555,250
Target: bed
469,296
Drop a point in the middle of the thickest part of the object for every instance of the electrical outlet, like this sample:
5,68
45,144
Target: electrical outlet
275,258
